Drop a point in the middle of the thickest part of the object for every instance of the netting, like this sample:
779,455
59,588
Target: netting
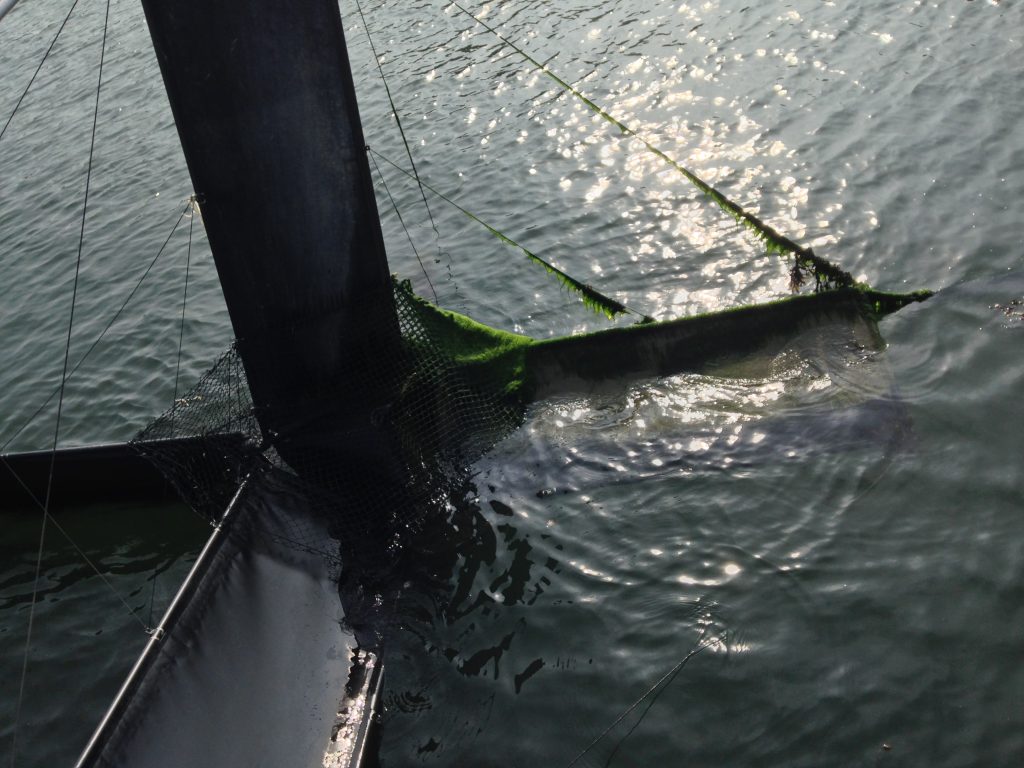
380,458
453,398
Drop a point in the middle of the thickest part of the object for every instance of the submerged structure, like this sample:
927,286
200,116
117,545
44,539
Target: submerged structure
347,411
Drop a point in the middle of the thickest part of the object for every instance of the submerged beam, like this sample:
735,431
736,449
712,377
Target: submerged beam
251,664
520,370
580,363
113,472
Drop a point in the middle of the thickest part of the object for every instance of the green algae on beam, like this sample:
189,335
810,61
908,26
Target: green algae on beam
520,369
882,303
690,344
488,357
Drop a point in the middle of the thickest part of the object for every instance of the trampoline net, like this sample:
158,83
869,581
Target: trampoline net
453,394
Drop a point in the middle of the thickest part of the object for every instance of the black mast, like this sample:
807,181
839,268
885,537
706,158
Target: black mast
263,99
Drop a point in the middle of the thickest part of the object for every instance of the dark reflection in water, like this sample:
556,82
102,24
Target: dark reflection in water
142,557
64,569
88,628
451,615
435,579
508,637
444,607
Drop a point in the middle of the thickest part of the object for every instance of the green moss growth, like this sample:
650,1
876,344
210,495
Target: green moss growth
488,357
519,369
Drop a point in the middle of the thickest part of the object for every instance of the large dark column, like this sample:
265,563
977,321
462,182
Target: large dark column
262,95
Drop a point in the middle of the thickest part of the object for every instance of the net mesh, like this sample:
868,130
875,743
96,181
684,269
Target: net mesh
450,404
380,458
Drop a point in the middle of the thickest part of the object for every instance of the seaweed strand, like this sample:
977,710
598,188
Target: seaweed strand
826,274
593,299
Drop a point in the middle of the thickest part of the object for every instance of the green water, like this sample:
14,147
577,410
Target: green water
844,523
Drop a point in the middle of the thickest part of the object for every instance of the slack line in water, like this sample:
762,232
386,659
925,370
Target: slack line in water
592,299
826,274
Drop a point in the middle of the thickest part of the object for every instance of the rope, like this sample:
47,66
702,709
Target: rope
184,299
405,142
28,491
826,274
96,342
591,297
193,205
402,222
54,522
666,680
33,78
60,399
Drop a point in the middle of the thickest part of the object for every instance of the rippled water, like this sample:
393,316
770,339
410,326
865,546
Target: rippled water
842,523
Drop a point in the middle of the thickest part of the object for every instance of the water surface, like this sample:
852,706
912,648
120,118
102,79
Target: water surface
840,522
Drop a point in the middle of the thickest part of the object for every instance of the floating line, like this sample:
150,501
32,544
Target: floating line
827,274
666,680
592,298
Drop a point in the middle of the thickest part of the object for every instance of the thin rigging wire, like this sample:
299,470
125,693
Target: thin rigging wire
110,324
133,612
33,78
28,490
81,361
606,304
60,399
826,273
402,222
177,365
401,130
184,298
666,679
